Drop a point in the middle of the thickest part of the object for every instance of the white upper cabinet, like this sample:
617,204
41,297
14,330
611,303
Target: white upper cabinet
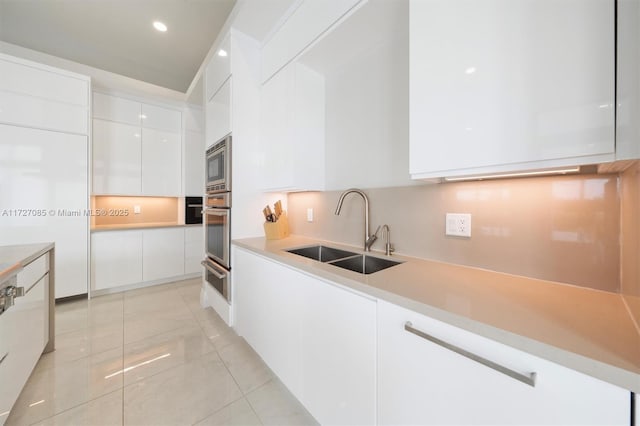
117,109
293,129
38,96
219,68
156,117
507,85
45,82
194,151
137,148
219,114
308,22
628,82
117,161
161,163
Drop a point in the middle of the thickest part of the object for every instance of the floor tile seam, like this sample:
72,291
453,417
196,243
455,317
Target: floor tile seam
151,336
82,358
182,363
121,389
262,421
220,409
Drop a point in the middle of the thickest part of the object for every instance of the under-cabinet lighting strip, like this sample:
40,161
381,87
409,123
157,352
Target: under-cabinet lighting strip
517,174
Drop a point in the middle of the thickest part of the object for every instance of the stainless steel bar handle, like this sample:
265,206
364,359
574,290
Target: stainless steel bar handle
213,271
194,205
3,357
527,379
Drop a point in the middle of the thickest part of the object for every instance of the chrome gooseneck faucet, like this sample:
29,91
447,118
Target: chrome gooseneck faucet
368,239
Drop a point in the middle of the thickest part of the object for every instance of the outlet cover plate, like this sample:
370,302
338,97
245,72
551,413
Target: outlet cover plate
458,225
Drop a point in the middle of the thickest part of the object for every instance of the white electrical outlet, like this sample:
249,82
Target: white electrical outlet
309,215
458,224
136,210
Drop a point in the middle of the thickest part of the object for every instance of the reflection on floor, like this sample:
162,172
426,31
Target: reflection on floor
152,356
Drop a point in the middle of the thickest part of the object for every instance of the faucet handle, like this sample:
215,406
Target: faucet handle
372,239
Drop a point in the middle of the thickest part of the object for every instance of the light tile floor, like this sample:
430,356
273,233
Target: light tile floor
152,356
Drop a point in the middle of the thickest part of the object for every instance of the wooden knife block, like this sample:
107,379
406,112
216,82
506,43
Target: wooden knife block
277,230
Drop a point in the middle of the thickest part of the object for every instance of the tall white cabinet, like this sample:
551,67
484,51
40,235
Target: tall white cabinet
44,122
504,85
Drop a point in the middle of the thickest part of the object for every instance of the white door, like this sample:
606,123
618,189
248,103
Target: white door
116,258
162,253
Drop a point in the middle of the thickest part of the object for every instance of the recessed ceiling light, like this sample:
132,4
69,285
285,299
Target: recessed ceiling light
159,26
222,53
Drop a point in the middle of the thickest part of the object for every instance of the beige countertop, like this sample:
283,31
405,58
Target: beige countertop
118,227
587,330
14,258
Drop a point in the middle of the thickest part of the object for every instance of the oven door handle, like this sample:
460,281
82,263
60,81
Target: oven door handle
217,212
218,275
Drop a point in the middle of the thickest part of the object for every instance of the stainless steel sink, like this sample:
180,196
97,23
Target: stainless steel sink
322,253
365,264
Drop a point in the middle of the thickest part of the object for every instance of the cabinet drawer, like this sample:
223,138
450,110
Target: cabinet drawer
24,331
424,382
33,272
43,82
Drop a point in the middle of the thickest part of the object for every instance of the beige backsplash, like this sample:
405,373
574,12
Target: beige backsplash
630,238
152,210
563,229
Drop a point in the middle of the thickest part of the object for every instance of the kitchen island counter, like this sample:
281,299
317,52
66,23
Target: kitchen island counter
586,330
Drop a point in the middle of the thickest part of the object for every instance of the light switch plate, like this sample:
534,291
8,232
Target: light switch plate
309,215
458,225
136,210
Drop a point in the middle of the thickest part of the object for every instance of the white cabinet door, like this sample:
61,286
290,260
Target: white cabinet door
117,158
308,22
503,85
32,79
194,152
114,108
42,113
160,118
116,259
162,253
219,69
47,172
267,309
338,350
219,114
318,338
193,249
420,382
161,163
292,130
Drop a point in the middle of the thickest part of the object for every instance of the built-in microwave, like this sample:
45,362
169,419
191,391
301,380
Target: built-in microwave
218,169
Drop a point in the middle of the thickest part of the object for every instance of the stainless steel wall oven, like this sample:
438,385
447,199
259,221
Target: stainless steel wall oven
217,217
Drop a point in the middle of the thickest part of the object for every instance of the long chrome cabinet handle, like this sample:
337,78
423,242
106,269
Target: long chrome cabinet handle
3,357
527,379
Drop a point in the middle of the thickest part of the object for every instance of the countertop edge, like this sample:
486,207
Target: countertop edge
598,369
137,227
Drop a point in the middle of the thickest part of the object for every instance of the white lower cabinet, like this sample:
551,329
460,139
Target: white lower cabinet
116,259
421,382
121,258
193,249
162,253
318,338
24,331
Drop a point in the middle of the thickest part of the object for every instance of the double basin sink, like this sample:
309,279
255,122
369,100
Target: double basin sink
361,263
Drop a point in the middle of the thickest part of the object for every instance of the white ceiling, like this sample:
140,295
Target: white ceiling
118,36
